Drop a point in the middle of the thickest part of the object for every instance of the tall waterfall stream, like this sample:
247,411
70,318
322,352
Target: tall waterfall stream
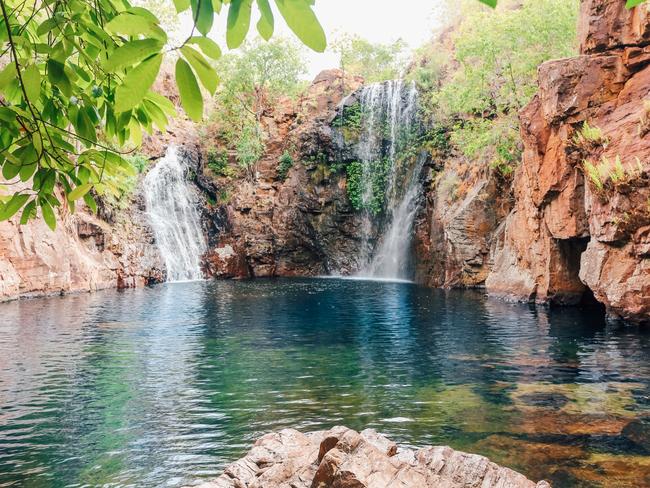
172,211
389,121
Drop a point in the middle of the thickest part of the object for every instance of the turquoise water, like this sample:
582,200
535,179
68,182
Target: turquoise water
165,385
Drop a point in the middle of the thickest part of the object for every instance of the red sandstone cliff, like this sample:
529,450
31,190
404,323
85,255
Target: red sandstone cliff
83,254
566,236
302,225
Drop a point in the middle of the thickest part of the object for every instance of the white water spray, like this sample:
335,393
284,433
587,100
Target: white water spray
172,211
389,117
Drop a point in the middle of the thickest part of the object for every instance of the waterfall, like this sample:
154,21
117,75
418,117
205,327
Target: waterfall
388,130
172,211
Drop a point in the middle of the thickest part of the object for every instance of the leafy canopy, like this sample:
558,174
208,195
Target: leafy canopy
373,61
76,83
252,80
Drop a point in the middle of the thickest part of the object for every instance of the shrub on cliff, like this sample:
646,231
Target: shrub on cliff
252,81
479,74
285,163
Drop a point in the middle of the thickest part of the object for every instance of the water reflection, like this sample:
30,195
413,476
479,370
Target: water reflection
163,386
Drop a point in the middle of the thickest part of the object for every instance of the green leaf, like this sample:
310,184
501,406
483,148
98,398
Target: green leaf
49,181
10,170
7,75
191,98
48,214
163,103
181,5
85,127
10,208
207,74
133,23
32,82
491,3
633,3
90,201
203,15
265,24
137,83
29,212
239,20
27,170
207,45
79,192
58,77
303,22
132,53
47,26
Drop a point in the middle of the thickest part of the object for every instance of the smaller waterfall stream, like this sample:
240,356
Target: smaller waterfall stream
389,127
172,211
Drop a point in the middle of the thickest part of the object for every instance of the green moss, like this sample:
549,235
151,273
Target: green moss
285,163
350,121
378,172
354,185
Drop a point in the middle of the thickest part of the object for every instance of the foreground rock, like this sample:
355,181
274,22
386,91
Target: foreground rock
343,458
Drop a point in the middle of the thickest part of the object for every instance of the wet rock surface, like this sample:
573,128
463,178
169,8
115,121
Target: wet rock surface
302,225
344,458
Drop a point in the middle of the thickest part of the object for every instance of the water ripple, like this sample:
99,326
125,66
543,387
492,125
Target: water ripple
164,386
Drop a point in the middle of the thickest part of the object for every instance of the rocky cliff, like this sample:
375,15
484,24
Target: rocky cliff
465,203
299,225
84,253
581,218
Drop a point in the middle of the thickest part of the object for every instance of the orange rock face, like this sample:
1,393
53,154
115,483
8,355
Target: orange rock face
302,225
83,254
566,235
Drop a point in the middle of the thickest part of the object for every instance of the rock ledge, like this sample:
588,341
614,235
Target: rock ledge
343,458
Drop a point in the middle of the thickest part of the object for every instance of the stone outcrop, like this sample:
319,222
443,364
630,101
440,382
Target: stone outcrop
343,458
569,236
83,254
302,225
464,206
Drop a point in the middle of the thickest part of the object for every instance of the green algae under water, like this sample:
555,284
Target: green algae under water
166,385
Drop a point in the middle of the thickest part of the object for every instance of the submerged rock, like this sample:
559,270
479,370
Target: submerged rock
344,458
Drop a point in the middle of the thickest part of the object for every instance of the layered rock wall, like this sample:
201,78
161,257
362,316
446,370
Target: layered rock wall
302,225
83,254
464,206
570,234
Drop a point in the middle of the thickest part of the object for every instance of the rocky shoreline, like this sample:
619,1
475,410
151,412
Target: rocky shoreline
344,458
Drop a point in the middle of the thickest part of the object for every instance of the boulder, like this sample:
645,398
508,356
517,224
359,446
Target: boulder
344,458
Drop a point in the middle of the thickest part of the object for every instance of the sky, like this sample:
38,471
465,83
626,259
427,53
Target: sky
380,21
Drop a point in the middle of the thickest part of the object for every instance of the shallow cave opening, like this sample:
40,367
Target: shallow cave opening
580,294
